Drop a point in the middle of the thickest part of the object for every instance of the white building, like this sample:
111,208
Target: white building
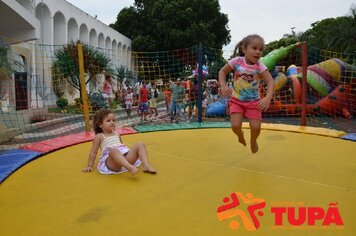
25,24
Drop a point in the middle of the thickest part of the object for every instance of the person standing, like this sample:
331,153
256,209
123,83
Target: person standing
143,101
178,93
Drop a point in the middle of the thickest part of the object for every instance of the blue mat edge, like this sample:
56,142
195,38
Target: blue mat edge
12,160
349,136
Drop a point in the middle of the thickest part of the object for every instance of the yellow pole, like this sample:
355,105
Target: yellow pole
82,87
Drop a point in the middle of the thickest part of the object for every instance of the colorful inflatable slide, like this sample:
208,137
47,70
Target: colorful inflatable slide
331,87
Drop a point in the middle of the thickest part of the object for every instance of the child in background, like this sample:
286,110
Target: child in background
154,93
128,102
178,93
204,103
167,95
244,98
115,157
193,96
107,88
143,101
185,102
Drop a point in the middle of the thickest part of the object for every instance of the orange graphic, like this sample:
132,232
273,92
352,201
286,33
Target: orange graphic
250,220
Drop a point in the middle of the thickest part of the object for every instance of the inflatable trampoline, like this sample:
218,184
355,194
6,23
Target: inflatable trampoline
207,184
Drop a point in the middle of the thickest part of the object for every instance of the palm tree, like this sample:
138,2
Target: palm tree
121,73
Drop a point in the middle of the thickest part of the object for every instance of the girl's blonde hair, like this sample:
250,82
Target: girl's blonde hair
244,43
99,118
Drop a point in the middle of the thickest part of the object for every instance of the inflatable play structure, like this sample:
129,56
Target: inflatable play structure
331,88
205,71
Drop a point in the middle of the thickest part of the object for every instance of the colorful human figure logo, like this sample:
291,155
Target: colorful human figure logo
249,219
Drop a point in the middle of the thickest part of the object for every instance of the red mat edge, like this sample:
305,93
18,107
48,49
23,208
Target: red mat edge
53,144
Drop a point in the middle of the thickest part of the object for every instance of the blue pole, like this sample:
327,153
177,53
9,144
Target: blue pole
200,82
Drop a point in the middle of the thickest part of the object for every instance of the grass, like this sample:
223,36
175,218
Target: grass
72,109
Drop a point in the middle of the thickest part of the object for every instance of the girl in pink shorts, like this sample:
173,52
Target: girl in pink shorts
244,98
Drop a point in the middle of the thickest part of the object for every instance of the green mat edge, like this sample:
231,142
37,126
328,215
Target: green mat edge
181,126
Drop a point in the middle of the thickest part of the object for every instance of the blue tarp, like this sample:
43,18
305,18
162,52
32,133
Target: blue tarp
217,108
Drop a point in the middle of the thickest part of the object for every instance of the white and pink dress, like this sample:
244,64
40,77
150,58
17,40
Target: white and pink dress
112,141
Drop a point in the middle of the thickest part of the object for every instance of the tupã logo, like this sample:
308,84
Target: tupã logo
249,219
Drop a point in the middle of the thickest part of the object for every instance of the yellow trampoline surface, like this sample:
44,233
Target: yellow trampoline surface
207,184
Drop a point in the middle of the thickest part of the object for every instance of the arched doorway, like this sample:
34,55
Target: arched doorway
21,83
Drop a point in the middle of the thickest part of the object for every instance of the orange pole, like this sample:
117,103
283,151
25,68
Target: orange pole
82,87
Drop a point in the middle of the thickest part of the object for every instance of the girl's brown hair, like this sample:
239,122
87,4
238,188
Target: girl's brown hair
98,119
244,43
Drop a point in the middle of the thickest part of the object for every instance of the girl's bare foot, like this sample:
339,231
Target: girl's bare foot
149,169
242,138
254,147
133,170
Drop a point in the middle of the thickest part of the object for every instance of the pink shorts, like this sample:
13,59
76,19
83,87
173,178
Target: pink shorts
248,109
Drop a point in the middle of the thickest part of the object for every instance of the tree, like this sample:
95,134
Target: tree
5,71
331,34
5,66
65,64
334,34
214,68
287,40
162,25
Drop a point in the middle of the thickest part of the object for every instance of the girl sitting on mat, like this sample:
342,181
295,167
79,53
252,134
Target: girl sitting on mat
115,156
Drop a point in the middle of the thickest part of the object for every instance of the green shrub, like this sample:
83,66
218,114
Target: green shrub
97,101
114,104
78,102
62,103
